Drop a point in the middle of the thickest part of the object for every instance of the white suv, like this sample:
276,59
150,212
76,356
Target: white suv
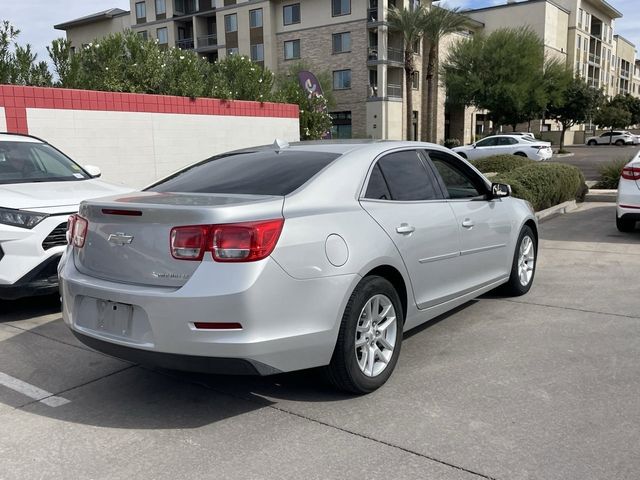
39,188
612,138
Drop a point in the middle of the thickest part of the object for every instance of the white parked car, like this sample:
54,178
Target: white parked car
612,138
39,188
628,202
521,145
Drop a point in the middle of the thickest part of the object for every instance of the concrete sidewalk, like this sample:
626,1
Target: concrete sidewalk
545,386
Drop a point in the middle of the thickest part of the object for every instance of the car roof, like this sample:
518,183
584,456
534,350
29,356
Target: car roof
17,137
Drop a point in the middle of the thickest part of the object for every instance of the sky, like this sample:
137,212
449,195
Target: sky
35,18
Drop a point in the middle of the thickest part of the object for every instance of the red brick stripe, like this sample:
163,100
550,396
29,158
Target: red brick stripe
17,99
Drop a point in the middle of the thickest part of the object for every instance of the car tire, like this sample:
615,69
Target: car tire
591,143
349,370
619,143
523,258
625,225
521,154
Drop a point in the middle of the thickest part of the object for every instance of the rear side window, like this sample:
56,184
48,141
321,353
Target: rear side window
377,188
252,173
406,177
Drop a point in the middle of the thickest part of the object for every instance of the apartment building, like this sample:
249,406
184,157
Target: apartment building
84,30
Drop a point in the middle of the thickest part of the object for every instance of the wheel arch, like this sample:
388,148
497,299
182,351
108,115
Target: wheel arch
534,227
393,276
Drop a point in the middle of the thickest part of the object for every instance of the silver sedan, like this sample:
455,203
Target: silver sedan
289,257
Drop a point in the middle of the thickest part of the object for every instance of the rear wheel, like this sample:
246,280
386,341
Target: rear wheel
591,143
370,337
625,225
521,154
523,268
619,142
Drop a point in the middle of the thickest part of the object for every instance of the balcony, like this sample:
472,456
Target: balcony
208,41
395,55
394,90
593,58
372,15
626,74
185,43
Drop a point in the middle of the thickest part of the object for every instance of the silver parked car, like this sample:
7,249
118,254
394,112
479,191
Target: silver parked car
283,258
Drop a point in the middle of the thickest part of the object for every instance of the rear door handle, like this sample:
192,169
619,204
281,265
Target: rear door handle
405,229
468,223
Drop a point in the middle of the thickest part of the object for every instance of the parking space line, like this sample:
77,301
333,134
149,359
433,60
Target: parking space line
32,391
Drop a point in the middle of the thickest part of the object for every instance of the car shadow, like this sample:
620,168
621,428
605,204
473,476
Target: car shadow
25,308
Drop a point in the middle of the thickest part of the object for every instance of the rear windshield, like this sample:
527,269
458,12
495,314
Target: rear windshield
253,173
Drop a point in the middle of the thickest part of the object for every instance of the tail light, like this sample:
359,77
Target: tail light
631,173
77,227
233,242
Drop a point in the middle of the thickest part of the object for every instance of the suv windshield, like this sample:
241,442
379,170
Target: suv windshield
25,162
254,173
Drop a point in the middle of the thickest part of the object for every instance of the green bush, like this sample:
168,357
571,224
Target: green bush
452,143
501,163
610,173
545,184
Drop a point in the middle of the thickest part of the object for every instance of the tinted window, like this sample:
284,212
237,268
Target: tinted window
377,188
407,177
254,173
460,182
506,141
487,142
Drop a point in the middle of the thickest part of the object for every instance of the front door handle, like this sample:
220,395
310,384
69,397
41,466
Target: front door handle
468,223
405,229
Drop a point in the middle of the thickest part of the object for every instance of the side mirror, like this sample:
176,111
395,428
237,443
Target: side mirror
473,145
93,171
499,190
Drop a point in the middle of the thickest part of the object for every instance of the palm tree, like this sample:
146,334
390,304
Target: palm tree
438,23
410,22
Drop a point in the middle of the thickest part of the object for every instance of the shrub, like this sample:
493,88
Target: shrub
501,163
545,184
610,173
451,143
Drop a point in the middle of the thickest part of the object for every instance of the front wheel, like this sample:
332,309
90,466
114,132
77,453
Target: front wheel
370,338
523,268
592,143
619,143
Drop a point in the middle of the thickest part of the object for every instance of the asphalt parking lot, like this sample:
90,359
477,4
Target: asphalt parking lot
545,386
589,159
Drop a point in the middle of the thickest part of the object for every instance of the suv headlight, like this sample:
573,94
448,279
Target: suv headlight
21,218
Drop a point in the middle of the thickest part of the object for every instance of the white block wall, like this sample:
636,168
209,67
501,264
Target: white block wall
3,122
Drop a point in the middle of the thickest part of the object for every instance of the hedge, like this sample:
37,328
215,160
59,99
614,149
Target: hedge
545,184
501,163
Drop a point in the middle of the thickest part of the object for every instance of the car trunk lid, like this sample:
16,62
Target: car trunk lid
128,237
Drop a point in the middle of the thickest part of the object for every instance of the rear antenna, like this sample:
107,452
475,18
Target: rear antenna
280,144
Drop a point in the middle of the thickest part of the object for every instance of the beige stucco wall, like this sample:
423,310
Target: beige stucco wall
85,34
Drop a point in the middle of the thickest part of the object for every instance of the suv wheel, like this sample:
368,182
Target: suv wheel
619,142
591,143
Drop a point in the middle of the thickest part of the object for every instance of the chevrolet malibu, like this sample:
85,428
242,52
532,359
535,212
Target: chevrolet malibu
289,257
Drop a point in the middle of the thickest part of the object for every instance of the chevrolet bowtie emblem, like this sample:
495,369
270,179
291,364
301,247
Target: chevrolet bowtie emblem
120,238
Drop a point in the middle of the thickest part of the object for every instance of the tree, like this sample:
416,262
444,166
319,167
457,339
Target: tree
574,105
629,103
65,63
503,73
612,117
18,64
410,23
439,22
237,77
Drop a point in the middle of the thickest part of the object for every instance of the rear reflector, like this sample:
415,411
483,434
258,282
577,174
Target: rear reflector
129,213
631,173
217,326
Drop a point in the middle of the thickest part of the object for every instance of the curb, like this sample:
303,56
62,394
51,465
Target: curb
559,209
597,195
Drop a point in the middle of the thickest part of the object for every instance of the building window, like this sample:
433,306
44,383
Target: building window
579,43
291,14
163,35
141,11
340,7
342,42
231,23
292,49
161,7
341,125
143,35
232,51
257,52
580,15
255,18
341,79
415,81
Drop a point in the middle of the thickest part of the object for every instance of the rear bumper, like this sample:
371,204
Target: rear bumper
42,280
287,324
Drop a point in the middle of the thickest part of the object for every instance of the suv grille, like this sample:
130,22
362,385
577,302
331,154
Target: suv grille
57,238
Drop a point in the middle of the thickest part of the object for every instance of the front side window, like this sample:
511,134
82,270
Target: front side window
340,7
252,173
341,79
255,18
24,162
342,42
487,142
292,49
406,178
291,14
459,180
231,23
257,52
163,36
161,7
141,10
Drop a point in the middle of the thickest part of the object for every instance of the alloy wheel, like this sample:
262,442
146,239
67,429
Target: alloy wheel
526,260
376,333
